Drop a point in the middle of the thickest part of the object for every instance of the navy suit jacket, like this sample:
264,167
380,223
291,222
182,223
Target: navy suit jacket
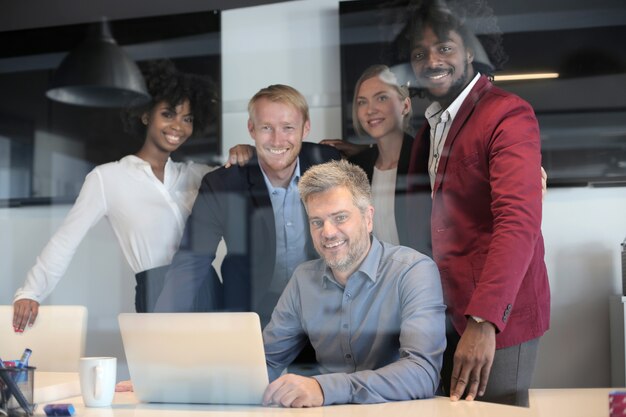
233,204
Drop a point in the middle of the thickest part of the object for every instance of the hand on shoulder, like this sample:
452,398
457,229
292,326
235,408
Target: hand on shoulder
347,149
239,155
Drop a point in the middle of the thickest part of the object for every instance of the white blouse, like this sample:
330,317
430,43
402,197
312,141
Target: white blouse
383,200
147,216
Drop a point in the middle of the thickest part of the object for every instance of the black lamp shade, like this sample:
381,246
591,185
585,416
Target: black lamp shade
98,73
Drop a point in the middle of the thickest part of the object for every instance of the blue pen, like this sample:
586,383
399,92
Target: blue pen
22,376
23,363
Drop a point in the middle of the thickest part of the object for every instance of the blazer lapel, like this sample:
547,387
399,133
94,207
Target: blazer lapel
465,111
261,209
418,179
259,194
403,162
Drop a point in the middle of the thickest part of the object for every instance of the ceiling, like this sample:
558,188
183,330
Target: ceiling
513,14
29,14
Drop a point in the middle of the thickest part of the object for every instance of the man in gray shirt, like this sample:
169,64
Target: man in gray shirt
373,312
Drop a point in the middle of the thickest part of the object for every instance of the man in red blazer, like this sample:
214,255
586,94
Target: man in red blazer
481,151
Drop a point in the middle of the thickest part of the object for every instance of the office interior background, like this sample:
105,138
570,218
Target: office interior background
582,117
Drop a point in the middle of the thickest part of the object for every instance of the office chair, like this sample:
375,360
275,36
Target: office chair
57,338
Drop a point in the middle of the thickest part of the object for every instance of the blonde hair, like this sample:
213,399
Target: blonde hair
385,75
322,177
282,94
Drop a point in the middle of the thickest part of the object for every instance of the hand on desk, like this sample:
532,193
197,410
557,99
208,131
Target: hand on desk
294,391
24,313
472,360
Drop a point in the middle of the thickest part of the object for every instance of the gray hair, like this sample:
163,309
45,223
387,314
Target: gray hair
323,177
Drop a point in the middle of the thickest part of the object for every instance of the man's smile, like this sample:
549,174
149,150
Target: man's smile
334,243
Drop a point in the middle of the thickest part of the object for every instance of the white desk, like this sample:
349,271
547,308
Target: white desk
544,403
50,386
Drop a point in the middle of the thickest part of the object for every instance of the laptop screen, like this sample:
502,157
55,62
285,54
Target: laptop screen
205,358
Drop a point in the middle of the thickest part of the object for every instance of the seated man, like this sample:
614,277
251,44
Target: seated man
373,312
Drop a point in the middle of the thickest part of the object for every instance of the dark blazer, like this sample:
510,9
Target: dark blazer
413,208
486,215
233,204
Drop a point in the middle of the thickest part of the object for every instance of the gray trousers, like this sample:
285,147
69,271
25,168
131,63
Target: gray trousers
511,372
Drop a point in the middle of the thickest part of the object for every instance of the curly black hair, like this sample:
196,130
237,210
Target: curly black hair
166,83
471,19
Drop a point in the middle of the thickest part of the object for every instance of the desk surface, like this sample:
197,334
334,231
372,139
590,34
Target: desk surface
50,386
544,403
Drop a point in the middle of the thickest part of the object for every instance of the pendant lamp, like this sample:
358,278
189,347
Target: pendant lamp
98,73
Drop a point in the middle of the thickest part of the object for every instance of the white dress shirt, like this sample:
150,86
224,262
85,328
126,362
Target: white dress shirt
384,202
440,121
147,216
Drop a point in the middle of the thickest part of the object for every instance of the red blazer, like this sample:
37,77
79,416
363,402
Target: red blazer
486,215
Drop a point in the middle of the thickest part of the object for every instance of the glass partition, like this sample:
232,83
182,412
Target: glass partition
320,47
582,110
49,146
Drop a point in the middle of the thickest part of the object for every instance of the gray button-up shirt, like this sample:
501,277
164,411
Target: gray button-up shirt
381,338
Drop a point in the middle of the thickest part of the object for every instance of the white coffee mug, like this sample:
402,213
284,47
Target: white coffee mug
97,380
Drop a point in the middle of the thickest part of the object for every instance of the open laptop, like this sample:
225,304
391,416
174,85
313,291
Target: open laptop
204,358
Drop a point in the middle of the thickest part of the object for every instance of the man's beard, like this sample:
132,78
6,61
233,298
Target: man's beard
454,90
355,251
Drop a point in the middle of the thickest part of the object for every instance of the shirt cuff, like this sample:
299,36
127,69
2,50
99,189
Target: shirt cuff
21,295
478,319
335,387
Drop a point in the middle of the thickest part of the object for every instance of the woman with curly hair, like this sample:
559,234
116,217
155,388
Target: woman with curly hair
146,197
